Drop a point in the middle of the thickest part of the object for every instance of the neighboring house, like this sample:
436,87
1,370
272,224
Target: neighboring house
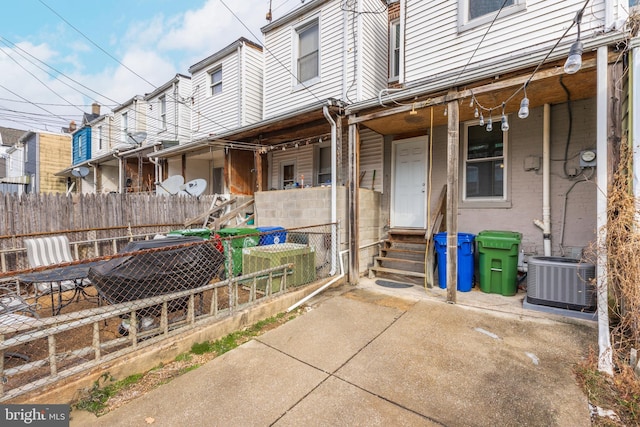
169,110
226,94
9,160
317,59
39,155
462,65
227,89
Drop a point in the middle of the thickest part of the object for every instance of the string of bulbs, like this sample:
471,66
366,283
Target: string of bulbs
571,66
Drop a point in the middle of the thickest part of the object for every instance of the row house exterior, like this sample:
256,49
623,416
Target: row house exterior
29,161
371,108
357,98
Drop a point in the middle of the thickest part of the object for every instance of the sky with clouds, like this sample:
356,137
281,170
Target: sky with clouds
57,57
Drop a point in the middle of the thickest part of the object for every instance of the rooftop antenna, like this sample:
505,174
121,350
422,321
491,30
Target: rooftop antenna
269,17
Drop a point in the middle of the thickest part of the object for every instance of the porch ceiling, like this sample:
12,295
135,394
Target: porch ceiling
540,91
302,126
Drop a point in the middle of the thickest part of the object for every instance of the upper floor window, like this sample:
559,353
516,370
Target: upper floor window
308,58
472,13
124,126
215,81
394,50
163,112
485,164
100,138
80,147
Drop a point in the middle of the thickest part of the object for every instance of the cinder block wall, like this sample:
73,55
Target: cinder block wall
312,206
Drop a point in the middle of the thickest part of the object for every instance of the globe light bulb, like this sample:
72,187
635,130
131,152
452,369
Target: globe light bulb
574,61
481,123
471,103
489,125
475,113
505,124
523,112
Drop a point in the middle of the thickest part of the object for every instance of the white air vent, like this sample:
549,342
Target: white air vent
561,282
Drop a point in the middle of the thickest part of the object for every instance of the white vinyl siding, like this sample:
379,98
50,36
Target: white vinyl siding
170,123
100,143
373,70
512,39
371,161
281,89
252,87
219,113
302,157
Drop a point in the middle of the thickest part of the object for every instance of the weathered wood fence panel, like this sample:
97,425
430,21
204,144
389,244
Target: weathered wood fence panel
48,213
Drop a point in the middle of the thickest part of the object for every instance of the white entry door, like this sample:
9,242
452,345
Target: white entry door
409,190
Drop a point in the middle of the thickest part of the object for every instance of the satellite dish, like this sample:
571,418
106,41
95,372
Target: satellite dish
170,185
136,138
193,188
80,172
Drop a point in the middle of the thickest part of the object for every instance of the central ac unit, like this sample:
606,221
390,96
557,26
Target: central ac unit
258,258
561,282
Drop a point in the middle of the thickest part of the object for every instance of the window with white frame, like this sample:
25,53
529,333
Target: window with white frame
215,81
163,112
485,164
124,126
472,13
288,174
308,58
80,147
394,50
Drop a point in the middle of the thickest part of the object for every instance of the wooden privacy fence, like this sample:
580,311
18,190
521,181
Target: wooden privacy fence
30,214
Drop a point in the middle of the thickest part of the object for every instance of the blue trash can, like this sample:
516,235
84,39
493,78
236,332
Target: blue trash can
272,235
465,260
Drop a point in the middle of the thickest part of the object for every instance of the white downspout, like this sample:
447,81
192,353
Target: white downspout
334,207
605,357
545,224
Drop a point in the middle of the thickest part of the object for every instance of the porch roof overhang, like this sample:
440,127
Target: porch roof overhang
418,111
296,125
110,157
490,84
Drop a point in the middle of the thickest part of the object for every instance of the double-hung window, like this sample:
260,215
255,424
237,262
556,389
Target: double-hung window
308,58
163,112
215,81
472,13
100,138
485,164
394,50
124,126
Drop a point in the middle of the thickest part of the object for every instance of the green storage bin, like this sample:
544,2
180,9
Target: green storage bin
498,261
263,257
234,240
205,233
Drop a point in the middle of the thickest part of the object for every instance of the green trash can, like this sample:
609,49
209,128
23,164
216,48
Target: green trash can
205,233
233,241
498,261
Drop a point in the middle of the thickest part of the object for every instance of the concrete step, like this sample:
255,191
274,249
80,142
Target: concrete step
374,270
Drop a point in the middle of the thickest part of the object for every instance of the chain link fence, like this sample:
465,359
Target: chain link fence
61,319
